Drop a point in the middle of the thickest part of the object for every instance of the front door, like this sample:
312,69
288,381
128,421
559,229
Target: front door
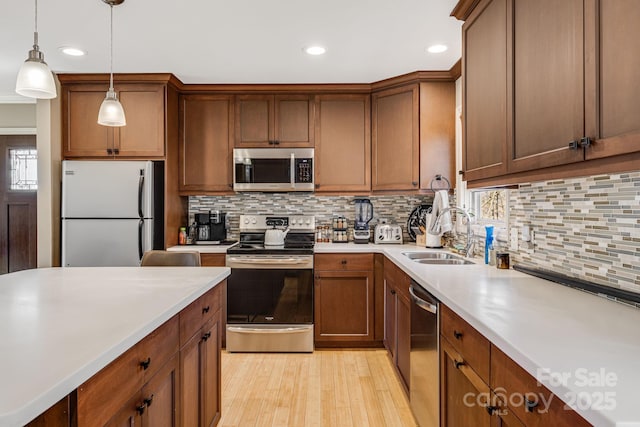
18,191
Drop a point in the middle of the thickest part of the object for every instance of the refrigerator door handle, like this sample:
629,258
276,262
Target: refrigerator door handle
140,189
140,233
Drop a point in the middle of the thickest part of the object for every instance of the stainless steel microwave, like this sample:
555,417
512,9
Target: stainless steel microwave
273,169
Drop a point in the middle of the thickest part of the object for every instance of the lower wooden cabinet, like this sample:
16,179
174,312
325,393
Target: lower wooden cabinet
344,294
59,415
398,319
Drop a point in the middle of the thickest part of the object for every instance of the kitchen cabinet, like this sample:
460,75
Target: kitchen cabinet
143,136
398,319
395,139
274,121
343,299
413,124
544,87
206,143
476,377
200,360
59,415
343,143
146,369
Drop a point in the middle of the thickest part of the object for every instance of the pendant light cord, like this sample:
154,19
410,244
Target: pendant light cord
35,33
110,51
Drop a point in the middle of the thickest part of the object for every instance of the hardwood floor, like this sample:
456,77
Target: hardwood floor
326,388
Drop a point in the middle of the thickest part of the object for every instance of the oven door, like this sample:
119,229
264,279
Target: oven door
269,304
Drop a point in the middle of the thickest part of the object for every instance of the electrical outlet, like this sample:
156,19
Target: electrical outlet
513,239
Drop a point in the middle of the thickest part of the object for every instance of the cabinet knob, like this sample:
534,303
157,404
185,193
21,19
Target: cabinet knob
109,151
585,142
574,145
276,142
206,336
343,262
458,363
145,363
457,335
393,292
205,310
116,151
148,400
414,183
317,185
530,405
140,408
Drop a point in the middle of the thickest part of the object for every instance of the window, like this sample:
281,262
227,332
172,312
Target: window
24,169
490,206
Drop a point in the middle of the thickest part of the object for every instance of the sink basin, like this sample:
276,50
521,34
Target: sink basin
444,261
442,258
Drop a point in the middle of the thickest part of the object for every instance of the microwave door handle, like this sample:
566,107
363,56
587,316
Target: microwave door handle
293,170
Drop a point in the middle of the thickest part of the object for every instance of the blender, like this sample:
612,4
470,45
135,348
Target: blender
364,214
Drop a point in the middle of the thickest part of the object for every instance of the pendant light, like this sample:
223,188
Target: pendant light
35,79
111,112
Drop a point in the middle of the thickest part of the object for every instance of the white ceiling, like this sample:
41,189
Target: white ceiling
234,41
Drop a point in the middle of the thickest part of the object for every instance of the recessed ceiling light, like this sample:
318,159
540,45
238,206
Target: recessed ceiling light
72,51
437,48
315,50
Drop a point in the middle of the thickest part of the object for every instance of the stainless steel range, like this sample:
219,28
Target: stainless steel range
270,289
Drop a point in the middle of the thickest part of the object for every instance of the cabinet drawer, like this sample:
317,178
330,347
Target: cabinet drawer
158,347
539,406
199,311
344,262
213,260
397,278
471,345
107,391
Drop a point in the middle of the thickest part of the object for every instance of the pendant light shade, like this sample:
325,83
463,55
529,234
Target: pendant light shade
35,79
111,112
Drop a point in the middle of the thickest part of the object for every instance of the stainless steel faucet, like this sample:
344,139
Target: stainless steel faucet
468,250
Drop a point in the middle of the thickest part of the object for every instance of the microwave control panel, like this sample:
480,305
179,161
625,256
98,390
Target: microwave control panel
304,170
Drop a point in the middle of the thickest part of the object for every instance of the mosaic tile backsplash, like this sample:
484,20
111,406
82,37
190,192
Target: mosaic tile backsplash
588,228
392,208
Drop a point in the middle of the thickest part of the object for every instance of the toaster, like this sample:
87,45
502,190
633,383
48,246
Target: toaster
387,233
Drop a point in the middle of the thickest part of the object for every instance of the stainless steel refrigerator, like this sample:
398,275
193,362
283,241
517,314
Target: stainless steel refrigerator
112,211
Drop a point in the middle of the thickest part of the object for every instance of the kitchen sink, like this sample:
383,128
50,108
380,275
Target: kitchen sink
438,258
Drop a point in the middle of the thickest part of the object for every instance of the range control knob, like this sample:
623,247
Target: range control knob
253,221
380,237
397,237
246,220
293,221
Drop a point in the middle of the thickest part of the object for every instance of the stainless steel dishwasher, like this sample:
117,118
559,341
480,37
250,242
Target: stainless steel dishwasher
425,357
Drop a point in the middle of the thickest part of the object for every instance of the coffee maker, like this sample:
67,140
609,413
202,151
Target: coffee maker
364,214
211,227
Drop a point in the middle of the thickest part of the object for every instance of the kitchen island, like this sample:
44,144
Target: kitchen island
61,326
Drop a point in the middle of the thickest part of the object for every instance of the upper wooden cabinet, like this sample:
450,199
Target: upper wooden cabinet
206,143
343,143
546,86
413,132
396,138
274,121
143,136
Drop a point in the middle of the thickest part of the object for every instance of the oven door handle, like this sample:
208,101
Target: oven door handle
268,261
267,331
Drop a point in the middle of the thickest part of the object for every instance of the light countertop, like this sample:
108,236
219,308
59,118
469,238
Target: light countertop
203,249
60,326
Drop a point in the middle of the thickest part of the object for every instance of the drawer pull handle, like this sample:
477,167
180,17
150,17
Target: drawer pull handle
148,401
343,262
457,334
491,409
145,363
205,310
530,405
140,408
458,363
206,336
393,292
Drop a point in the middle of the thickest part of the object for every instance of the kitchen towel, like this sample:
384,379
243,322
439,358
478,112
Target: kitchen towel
440,203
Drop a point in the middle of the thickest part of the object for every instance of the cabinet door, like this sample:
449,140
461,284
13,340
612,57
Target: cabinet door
210,373
390,327
144,134
615,38
82,135
190,382
343,143
206,143
129,415
403,331
484,99
395,139
464,396
293,121
548,83
254,121
343,306
160,397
